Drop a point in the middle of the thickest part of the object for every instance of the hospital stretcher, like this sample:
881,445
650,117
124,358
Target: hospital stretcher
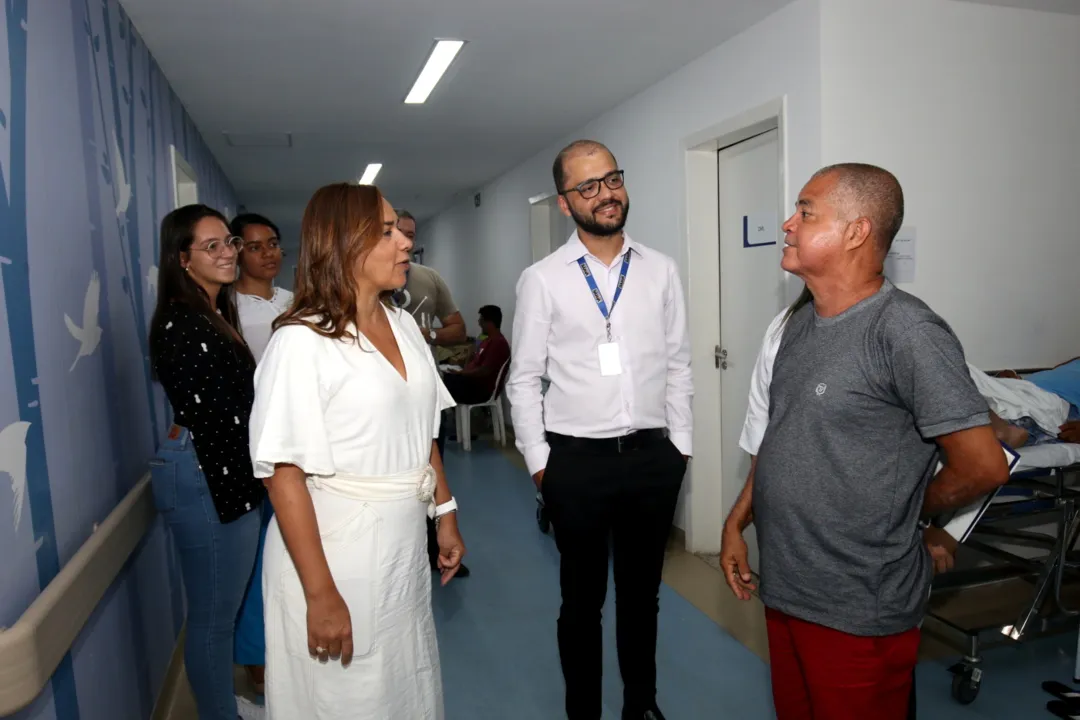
1044,489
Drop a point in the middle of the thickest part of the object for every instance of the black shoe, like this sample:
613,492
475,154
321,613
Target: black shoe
652,714
1067,709
1061,691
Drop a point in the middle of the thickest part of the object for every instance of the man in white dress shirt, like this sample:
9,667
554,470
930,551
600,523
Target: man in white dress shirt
604,319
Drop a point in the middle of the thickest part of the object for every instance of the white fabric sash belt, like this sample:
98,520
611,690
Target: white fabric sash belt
418,483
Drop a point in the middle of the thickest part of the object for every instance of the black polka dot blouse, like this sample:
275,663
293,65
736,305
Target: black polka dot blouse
210,385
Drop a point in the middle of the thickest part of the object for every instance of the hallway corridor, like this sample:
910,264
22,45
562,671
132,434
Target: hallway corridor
497,628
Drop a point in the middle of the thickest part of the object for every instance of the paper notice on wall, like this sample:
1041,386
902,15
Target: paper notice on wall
900,262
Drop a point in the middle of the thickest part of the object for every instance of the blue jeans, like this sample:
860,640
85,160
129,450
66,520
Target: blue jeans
249,647
216,561
1038,436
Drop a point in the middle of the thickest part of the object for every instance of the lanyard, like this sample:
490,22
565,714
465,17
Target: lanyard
596,291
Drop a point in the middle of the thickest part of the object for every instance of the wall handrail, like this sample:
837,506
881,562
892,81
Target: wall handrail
31,650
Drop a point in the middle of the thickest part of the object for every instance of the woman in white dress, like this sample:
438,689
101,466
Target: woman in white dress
347,404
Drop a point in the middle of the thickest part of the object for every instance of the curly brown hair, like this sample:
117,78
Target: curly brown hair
342,223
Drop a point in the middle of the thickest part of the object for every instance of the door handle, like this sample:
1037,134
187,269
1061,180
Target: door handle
720,358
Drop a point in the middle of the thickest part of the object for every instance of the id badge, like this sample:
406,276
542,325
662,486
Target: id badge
609,359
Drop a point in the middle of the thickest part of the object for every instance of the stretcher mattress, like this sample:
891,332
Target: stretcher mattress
1048,455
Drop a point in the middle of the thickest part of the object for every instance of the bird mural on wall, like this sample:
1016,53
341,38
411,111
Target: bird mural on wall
123,189
89,334
13,462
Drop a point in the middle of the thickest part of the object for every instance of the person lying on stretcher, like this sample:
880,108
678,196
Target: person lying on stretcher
1062,381
1019,397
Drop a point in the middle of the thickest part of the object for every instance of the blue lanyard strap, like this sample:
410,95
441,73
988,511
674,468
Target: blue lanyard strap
597,296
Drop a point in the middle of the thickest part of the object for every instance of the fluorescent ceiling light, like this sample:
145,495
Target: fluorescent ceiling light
441,56
372,170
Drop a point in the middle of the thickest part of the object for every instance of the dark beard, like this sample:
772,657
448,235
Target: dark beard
593,227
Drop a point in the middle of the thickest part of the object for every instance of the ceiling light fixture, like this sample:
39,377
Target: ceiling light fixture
442,55
368,178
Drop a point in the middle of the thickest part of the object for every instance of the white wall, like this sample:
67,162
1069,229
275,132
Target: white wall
482,251
976,109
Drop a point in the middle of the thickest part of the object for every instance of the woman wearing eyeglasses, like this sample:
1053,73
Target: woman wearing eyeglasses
202,476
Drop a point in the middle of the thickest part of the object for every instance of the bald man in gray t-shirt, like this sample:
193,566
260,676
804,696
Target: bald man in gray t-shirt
867,385
856,401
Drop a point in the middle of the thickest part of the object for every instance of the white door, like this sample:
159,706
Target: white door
751,290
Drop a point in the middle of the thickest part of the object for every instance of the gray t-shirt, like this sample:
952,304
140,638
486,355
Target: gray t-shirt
425,296
855,402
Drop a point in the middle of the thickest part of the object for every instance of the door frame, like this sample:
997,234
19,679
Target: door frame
177,167
541,214
702,502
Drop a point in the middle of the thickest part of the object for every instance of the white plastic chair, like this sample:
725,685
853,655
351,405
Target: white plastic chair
498,419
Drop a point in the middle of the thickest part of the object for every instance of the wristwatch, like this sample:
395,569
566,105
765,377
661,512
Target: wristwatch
432,335
446,508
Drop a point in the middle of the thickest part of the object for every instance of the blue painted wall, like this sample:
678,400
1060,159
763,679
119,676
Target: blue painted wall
86,123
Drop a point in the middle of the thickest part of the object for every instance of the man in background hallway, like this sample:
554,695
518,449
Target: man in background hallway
476,383
427,298
604,318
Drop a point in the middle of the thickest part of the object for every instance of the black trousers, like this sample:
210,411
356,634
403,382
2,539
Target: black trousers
466,390
607,501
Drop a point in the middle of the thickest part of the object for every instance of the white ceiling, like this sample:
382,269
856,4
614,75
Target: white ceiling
333,73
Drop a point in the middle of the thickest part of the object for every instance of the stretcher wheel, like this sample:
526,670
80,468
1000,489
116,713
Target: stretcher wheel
965,685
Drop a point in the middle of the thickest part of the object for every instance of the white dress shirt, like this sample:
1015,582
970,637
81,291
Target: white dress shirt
257,314
558,329
757,408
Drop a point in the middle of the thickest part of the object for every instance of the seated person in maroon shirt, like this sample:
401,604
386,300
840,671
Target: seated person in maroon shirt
476,383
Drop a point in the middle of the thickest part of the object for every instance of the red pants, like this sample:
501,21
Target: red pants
824,674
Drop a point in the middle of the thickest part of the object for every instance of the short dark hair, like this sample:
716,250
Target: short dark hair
404,214
588,147
240,222
492,314
875,192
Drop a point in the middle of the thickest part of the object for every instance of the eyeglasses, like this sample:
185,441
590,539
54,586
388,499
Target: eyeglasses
257,248
216,248
591,188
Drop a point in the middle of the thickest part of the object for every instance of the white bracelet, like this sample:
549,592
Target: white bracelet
447,507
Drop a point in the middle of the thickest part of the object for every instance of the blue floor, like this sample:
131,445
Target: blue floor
500,659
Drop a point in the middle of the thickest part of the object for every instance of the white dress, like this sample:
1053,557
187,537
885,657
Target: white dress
363,435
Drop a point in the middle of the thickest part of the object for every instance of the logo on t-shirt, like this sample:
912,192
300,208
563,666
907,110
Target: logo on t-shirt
401,299
820,389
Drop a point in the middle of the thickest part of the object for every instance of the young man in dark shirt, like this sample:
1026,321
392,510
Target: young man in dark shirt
476,383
